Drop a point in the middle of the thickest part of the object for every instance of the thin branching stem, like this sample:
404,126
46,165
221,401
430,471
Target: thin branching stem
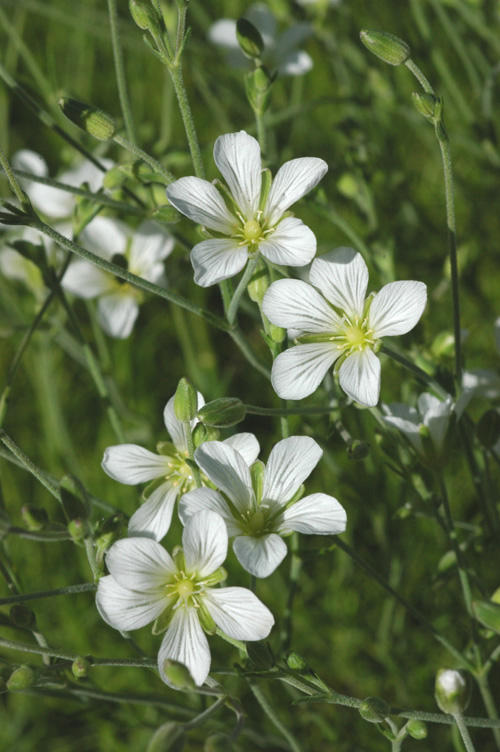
121,80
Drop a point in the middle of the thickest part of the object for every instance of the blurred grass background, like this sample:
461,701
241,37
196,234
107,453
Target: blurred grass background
386,192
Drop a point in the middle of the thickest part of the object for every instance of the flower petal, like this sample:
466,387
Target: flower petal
295,63
117,314
202,499
260,556
239,613
149,247
175,427
217,259
245,444
406,420
299,371
50,201
202,203
152,519
227,470
317,514
140,564
105,237
436,416
86,280
223,34
397,308
126,609
294,304
342,277
132,464
291,244
204,541
186,643
291,461
293,180
237,155
359,377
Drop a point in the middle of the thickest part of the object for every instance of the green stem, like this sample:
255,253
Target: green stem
261,133
28,464
281,412
464,732
21,196
295,569
47,536
151,161
87,692
232,311
120,71
69,590
418,372
187,118
240,339
190,447
200,719
269,711
488,699
55,653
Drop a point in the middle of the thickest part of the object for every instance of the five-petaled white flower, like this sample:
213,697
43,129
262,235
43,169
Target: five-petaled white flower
141,252
252,221
280,50
340,325
260,504
172,476
180,594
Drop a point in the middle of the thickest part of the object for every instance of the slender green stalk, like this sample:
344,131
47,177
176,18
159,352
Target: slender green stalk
120,71
45,536
12,180
295,569
282,412
261,133
240,339
208,713
28,464
190,447
418,372
87,692
269,711
151,161
488,699
187,119
69,590
464,732
242,286
55,653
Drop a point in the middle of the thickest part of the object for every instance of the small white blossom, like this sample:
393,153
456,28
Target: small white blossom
141,252
340,325
15,266
260,505
281,51
172,476
250,223
180,594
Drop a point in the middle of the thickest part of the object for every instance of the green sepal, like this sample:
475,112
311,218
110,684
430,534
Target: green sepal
387,47
297,495
358,449
313,339
23,617
267,179
90,119
162,622
427,104
179,559
257,471
222,413
185,401
35,518
166,449
220,575
374,710
144,15
259,282
206,619
249,38
488,614
416,729
452,690
21,678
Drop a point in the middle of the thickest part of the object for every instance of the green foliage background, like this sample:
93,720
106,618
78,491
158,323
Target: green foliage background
385,189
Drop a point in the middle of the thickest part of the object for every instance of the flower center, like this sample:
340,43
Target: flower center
354,335
185,590
252,230
180,473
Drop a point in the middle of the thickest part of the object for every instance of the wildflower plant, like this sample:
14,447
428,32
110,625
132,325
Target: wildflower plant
349,347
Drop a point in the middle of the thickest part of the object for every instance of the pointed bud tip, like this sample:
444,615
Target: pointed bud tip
387,47
222,412
185,401
249,38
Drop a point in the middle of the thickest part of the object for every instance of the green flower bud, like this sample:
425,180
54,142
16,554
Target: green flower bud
488,614
185,401
257,472
222,413
178,675
166,214
258,88
358,450
22,678
170,737
80,667
488,428
260,654
451,690
374,709
386,46
417,729
34,518
77,529
144,15
427,104
92,120
22,617
296,662
218,743
259,282
249,38
202,433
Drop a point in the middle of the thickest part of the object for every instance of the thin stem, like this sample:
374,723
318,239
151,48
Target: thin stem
69,590
120,71
295,569
187,119
200,719
269,711
418,372
261,133
46,536
151,161
464,732
28,464
54,653
240,339
190,447
232,311
488,699
282,412
419,76
21,196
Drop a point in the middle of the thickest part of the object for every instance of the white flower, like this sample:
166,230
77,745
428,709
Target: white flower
252,223
259,505
340,325
484,382
15,266
132,464
179,594
280,50
141,252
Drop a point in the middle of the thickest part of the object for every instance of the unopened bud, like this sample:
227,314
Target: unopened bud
260,654
77,529
222,413
22,678
218,743
358,450
249,38
170,737
386,46
257,471
34,518
80,667
92,120
374,709
202,433
258,88
22,617
488,614
425,103
417,729
185,401
259,282
451,690
178,675
488,428
296,662
143,14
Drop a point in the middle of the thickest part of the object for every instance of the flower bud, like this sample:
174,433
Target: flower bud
144,15
34,518
249,38
259,282
169,737
488,428
260,654
202,433
258,88
417,729
167,214
296,662
451,690
92,120
374,709
358,450
77,529
185,401
488,614
22,678
222,412
178,675
22,617
80,667
427,104
218,743
257,471
386,46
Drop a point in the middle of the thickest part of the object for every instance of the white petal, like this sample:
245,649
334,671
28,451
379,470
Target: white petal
202,203
140,564
290,39
217,259
427,402
202,499
126,609
105,237
480,383
228,471
239,613
294,304
186,643
437,418
150,246
397,308
86,172
342,277
117,314
237,155
30,161
261,17
295,63
359,377
152,519
260,556
50,201
405,419
86,280
175,427
132,464
317,514
223,33
291,461
291,244
293,180
245,444
299,371
204,541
